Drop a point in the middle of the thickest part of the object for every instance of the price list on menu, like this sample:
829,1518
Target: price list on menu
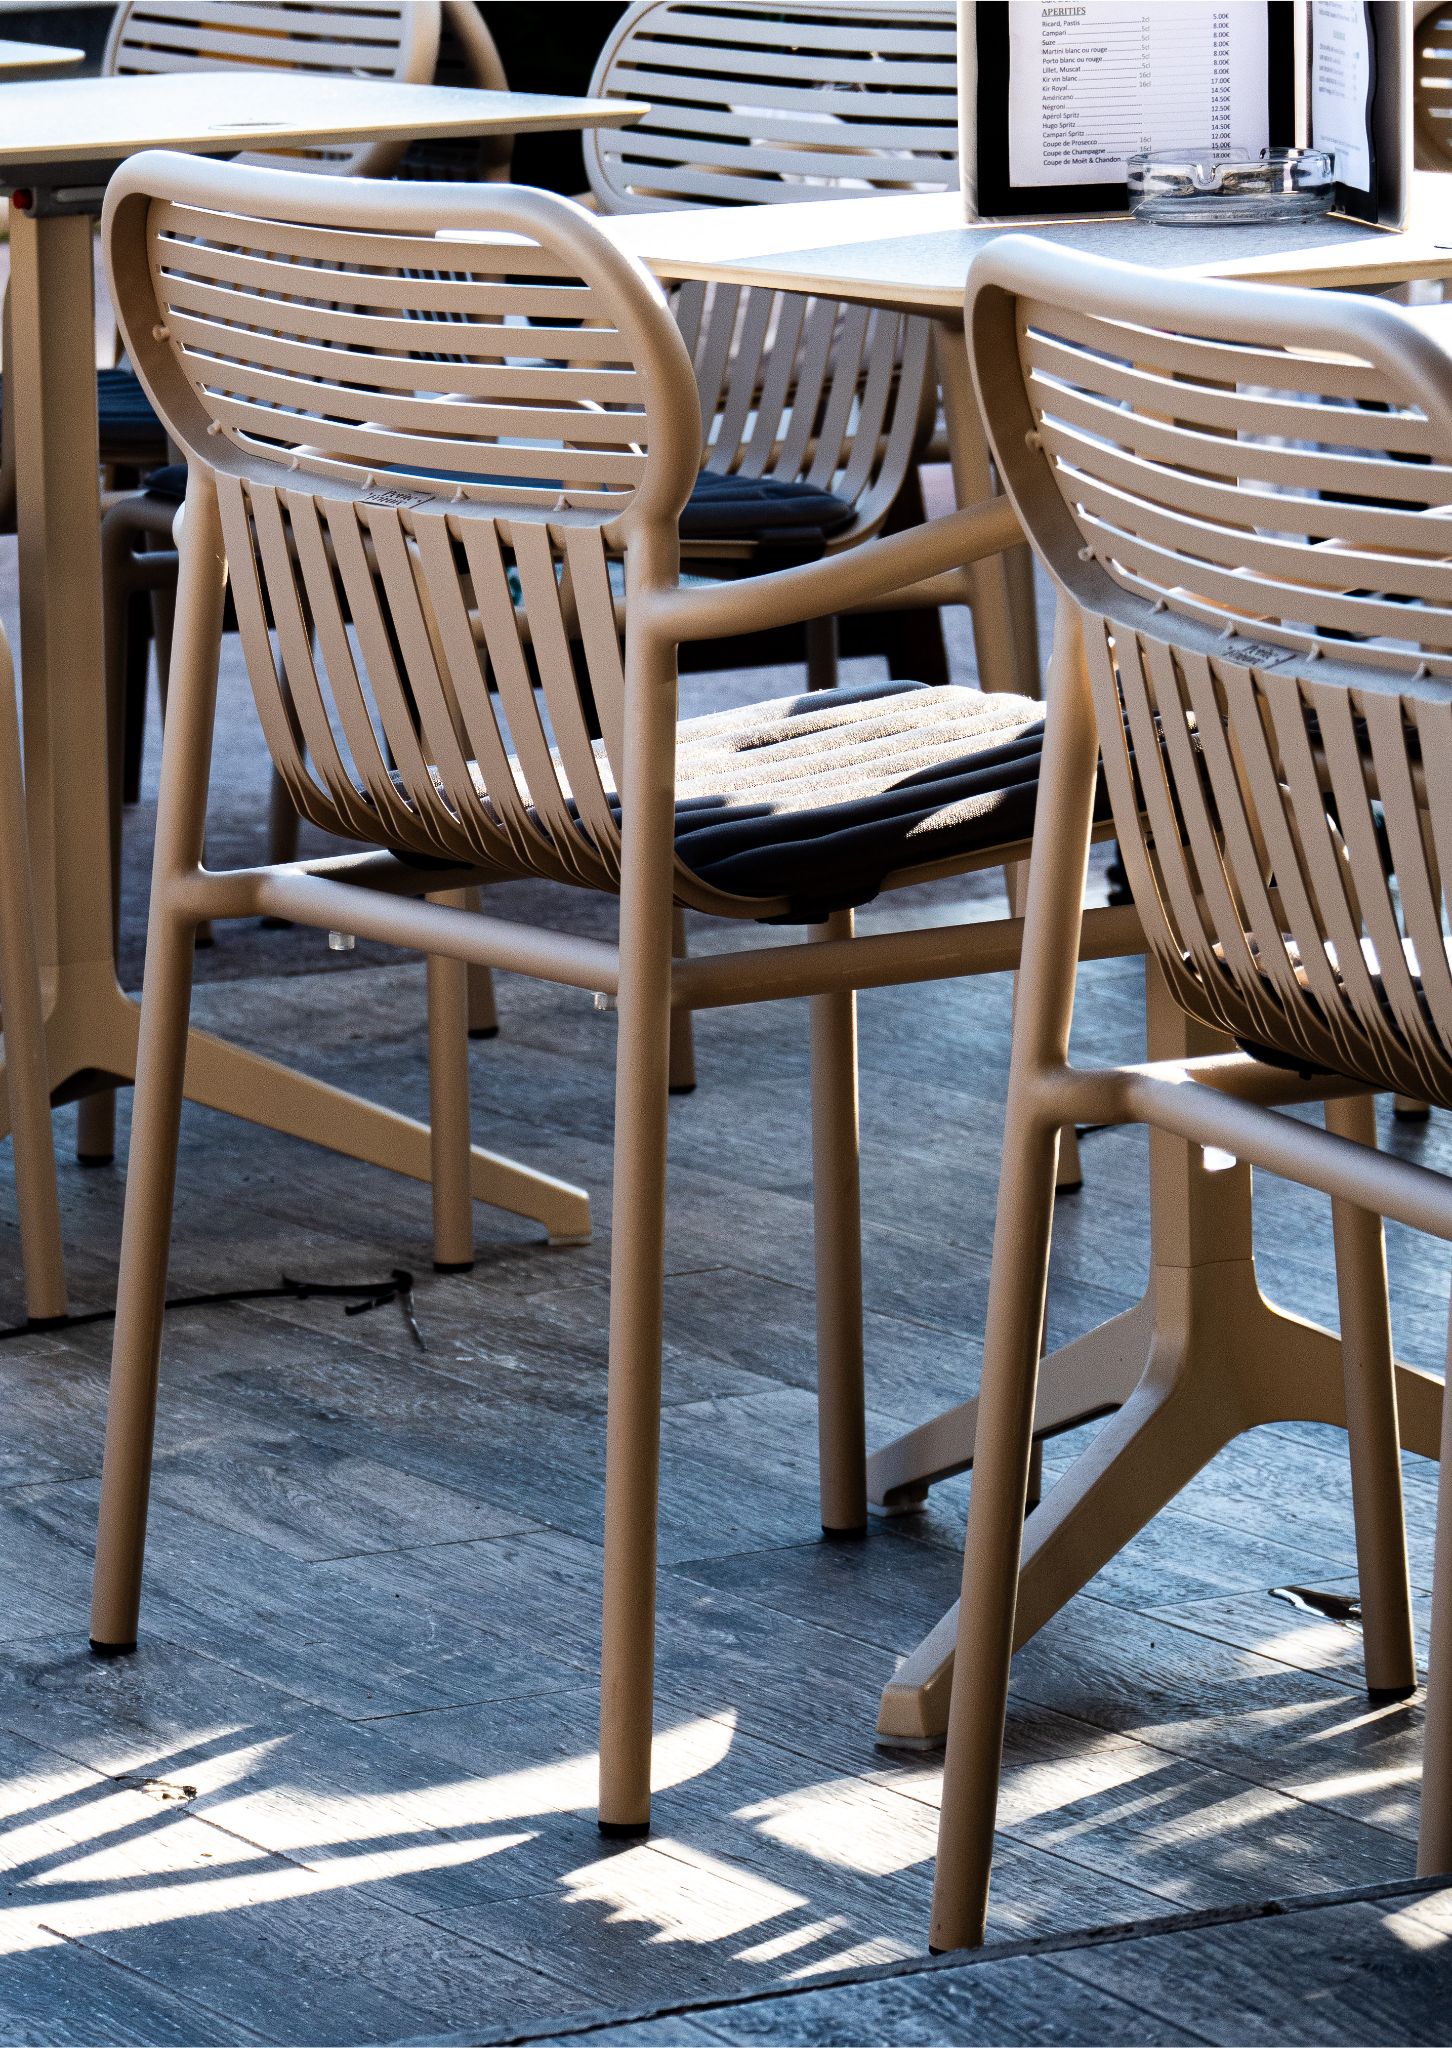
1091,84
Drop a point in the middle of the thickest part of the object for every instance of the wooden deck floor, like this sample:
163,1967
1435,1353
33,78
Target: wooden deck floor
343,1793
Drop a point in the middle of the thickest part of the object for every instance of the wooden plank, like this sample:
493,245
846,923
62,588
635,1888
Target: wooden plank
1023,2000
1301,1733
1349,1974
53,1990
1238,1980
298,1626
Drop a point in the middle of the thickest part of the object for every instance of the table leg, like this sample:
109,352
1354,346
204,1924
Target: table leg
91,1024
1005,623
1214,1359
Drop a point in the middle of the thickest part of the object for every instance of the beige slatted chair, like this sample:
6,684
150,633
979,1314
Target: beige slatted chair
753,104
378,514
1245,498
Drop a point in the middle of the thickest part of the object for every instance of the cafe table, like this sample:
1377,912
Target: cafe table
59,143
1203,1346
16,58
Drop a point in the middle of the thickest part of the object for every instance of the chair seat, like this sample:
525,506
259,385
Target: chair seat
773,511
820,798
769,510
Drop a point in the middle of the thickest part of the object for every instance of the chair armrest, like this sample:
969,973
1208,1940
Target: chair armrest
844,582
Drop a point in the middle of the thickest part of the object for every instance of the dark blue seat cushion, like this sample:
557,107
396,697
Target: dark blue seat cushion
766,509
169,483
797,517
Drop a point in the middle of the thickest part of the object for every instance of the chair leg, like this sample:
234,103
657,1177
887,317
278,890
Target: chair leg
161,1061
1017,1293
637,1251
483,1013
1069,1175
822,641
1434,1841
1034,1492
483,1016
632,1458
282,838
138,636
1411,1109
145,1246
1002,1467
449,1142
27,1080
683,1033
837,1223
163,626
916,649
125,648
282,823
1369,1366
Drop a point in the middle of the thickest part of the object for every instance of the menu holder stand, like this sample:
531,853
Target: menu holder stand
985,113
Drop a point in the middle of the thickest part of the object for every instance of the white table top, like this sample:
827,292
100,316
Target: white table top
15,57
100,120
913,252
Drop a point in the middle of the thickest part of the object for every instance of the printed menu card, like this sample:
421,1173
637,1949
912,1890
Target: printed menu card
1055,96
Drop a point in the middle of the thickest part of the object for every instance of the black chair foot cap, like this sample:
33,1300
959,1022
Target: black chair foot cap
453,1265
486,1031
1388,1695
112,1649
46,1322
1420,1115
624,1830
684,1088
95,1159
853,1535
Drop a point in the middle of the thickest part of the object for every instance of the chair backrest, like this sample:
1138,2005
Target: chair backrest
750,101
1248,494
1432,85
419,550
374,39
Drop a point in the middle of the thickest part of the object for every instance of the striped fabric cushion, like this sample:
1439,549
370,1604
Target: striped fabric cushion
820,798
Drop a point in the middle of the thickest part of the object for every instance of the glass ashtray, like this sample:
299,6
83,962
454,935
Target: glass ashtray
1229,188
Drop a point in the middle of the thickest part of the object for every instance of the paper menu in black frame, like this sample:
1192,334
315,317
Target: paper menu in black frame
1090,86
1062,94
